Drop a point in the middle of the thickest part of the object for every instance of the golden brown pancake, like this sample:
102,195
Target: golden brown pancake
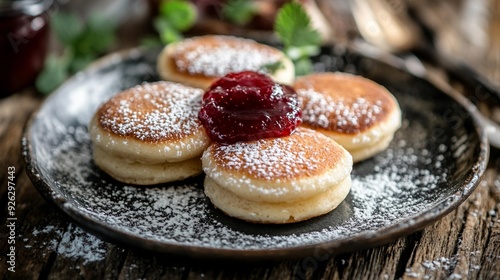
153,123
199,61
358,113
277,171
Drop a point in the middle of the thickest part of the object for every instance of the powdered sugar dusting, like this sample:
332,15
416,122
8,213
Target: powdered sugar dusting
72,243
428,268
153,112
394,190
341,115
416,175
216,56
278,158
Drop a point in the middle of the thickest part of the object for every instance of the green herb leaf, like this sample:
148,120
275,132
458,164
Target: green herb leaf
53,74
168,34
181,15
80,62
296,53
67,27
92,42
239,11
293,26
300,40
82,44
99,22
303,66
97,36
150,42
161,24
271,68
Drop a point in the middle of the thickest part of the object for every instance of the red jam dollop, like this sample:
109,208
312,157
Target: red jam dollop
249,106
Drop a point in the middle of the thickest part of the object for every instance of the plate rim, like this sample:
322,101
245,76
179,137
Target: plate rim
316,250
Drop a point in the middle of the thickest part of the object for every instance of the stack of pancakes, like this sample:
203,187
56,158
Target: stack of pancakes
358,113
150,134
278,180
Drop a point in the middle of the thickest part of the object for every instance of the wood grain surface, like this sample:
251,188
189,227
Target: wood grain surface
465,244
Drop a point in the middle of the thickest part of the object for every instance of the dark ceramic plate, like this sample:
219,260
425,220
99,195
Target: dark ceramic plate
434,162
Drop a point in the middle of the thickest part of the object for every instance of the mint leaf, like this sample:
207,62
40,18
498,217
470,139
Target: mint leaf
82,44
303,66
293,26
271,68
300,39
101,23
67,27
150,42
296,53
168,34
53,74
92,42
161,24
97,36
181,15
239,11
79,62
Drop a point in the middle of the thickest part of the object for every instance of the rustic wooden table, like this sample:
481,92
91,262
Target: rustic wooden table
464,244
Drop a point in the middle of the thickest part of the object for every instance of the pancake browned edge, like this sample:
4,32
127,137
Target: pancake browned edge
150,134
278,180
199,61
358,113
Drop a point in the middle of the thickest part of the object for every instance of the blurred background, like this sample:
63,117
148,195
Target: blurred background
41,36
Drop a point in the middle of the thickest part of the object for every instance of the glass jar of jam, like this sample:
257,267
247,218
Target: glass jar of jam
24,36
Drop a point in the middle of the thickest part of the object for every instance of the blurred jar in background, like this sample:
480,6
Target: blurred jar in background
24,34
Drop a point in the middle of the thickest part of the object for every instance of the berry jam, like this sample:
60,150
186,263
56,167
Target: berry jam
24,39
248,106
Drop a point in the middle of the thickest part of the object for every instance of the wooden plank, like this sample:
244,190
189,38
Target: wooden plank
14,112
141,265
464,244
376,263
488,256
454,247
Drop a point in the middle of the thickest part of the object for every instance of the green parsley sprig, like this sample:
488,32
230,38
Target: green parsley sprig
300,40
239,12
82,43
174,18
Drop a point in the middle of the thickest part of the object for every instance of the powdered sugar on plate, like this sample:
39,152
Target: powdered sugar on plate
420,172
181,214
72,243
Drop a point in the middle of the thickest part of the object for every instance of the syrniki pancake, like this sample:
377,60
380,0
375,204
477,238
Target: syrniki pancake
148,128
278,180
358,113
199,61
